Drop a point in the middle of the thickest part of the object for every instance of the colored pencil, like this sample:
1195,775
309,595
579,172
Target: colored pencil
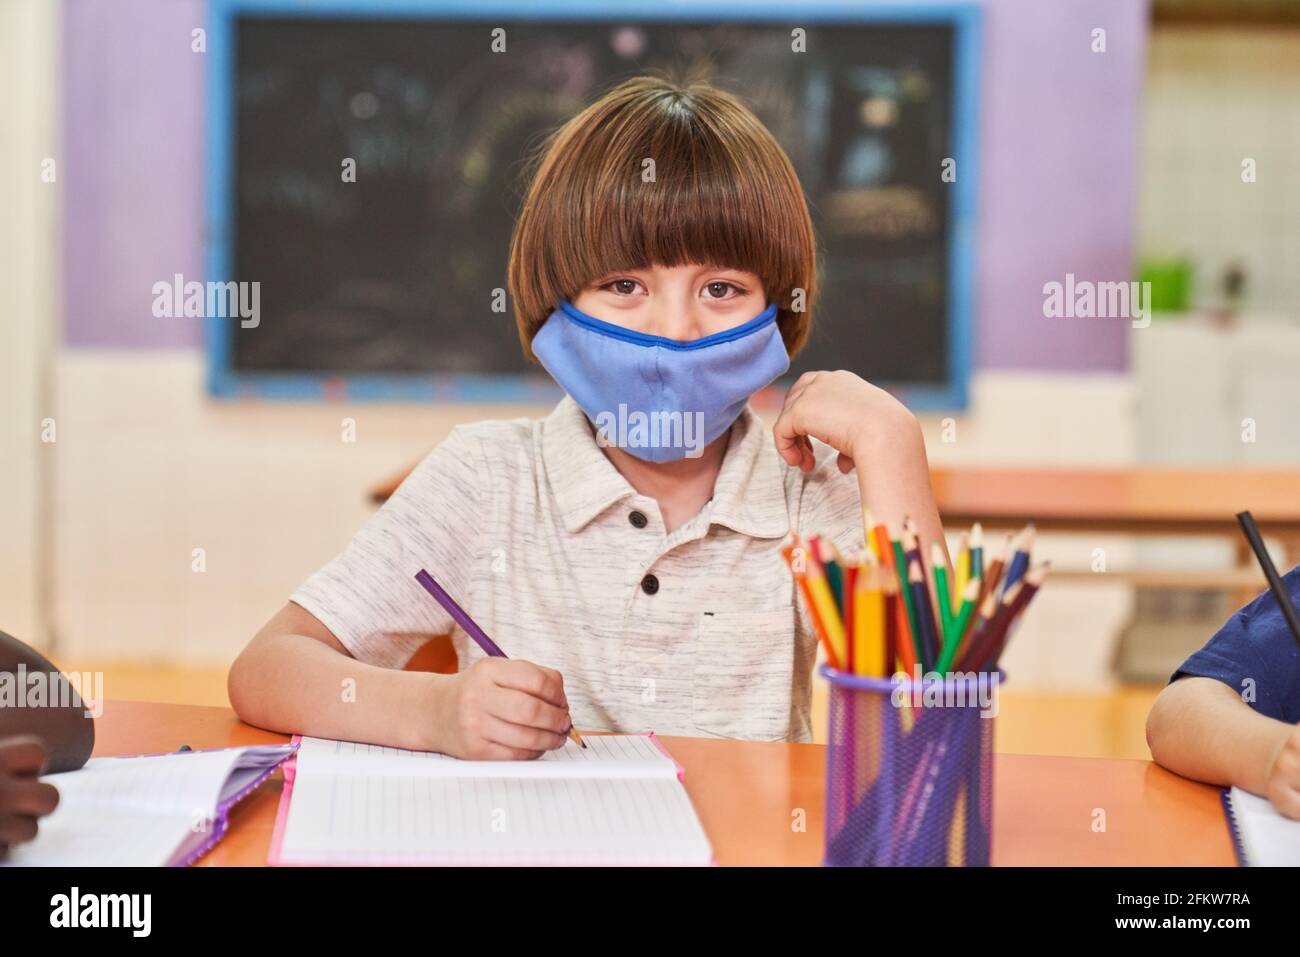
903,656
1030,583
986,643
894,620
848,614
987,634
833,569
985,652
960,572
869,534
815,609
960,624
869,621
942,592
976,550
824,602
1018,563
924,615
1280,594
462,618
914,652
993,576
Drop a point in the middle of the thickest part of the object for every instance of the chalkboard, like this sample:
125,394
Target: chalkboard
388,278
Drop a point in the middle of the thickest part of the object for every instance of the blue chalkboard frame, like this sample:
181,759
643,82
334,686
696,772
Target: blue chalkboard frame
224,381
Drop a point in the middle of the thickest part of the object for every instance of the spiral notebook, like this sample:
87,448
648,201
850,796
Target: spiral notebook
619,801
154,810
1262,836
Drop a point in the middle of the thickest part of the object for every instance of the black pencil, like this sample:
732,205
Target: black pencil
1251,531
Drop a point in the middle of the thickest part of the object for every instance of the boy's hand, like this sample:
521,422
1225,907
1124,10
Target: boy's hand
23,798
843,410
1284,776
504,709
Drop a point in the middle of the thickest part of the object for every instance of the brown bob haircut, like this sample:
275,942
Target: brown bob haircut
724,193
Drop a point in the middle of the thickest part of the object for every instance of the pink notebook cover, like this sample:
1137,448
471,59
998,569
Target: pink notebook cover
290,768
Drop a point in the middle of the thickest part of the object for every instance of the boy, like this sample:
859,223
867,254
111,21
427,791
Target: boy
1228,715
625,550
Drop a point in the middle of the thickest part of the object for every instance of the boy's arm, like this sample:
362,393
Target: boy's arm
23,798
295,676
1201,728
874,434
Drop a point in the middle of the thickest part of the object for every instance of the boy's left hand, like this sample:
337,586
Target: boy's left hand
843,410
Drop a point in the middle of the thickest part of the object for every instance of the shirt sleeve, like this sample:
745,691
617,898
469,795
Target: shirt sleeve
368,596
1255,654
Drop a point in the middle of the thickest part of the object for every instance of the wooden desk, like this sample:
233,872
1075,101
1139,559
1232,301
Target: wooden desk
1167,501
747,792
1136,501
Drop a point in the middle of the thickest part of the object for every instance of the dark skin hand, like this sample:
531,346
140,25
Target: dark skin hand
23,798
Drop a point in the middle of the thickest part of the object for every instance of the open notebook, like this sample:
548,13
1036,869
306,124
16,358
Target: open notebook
164,809
1264,838
619,801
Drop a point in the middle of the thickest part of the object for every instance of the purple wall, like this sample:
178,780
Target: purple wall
1059,140
132,168
1059,129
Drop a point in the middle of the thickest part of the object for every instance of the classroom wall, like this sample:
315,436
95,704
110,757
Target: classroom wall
1058,128
150,470
28,75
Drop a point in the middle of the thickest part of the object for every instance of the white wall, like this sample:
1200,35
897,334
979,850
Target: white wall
28,66
1215,97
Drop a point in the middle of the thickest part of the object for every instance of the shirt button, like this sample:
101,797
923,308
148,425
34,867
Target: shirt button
638,519
649,584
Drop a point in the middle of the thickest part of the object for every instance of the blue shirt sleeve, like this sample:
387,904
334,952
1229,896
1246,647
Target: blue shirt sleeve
1255,651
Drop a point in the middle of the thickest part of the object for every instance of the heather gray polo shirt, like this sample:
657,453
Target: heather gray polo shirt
532,529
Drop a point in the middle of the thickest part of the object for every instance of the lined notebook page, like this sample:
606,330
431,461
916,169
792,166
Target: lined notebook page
618,801
1269,839
129,811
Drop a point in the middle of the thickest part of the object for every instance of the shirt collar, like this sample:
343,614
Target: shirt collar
748,497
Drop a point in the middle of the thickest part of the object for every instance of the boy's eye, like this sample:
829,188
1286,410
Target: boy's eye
721,290
624,287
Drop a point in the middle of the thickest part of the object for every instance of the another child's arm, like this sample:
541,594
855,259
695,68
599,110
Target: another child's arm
23,798
1201,728
296,676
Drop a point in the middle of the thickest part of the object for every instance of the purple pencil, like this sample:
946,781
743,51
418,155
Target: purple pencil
462,618
459,614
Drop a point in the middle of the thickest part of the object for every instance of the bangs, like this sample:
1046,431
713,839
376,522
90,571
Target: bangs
656,175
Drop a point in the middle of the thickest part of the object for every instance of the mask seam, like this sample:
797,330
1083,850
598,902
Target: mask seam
599,326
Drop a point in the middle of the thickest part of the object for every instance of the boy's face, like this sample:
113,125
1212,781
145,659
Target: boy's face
676,302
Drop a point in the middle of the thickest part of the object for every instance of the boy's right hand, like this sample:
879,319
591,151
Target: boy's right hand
504,709
1284,776
23,798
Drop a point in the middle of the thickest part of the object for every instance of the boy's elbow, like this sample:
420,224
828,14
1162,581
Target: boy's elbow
1158,722
1176,722
240,684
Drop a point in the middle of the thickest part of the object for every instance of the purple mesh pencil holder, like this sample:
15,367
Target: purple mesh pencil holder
909,770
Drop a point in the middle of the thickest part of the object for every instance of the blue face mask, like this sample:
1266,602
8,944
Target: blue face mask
656,398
